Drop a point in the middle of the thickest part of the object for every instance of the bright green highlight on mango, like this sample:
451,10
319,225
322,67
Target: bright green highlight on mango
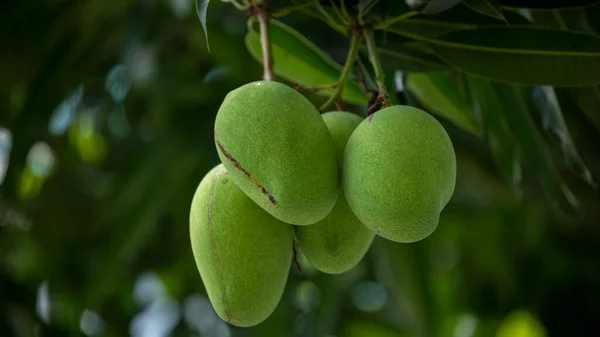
278,150
243,254
399,173
338,242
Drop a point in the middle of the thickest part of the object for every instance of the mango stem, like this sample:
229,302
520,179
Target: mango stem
352,53
383,98
262,14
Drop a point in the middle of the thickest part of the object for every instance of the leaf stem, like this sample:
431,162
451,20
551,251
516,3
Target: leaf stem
239,6
384,97
352,53
288,10
262,14
337,11
328,19
388,22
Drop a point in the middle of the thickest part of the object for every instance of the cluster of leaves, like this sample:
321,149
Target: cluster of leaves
116,203
488,67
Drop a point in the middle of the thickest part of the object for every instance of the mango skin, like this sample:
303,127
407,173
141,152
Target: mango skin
399,173
243,254
278,150
337,243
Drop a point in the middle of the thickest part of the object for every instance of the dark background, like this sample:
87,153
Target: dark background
95,196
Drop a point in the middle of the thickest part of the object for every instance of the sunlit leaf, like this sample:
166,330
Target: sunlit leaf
118,83
487,104
523,55
434,6
554,122
486,7
437,92
298,60
535,151
202,10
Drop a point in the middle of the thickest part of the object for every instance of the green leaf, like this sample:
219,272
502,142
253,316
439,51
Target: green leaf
457,18
298,60
571,19
390,84
364,6
503,146
592,13
588,100
438,93
546,4
435,6
554,122
535,151
410,59
523,55
201,10
490,8
399,53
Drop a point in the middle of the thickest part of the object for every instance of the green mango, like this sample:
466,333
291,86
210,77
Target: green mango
399,173
278,150
243,254
337,243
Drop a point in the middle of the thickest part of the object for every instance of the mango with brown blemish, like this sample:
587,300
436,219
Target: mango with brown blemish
243,254
278,150
399,173
337,243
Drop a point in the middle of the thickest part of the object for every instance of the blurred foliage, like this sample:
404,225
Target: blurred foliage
106,128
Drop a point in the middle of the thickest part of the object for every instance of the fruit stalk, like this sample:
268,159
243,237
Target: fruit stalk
352,53
262,14
383,97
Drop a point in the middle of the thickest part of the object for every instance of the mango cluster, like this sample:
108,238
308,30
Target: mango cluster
328,183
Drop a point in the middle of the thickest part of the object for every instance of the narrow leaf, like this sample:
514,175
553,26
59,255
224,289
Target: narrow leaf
534,150
554,122
437,92
364,6
298,60
523,55
592,13
490,8
410,59
504,148
457,18
434,6
546,4
201,10
572,19
588,100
